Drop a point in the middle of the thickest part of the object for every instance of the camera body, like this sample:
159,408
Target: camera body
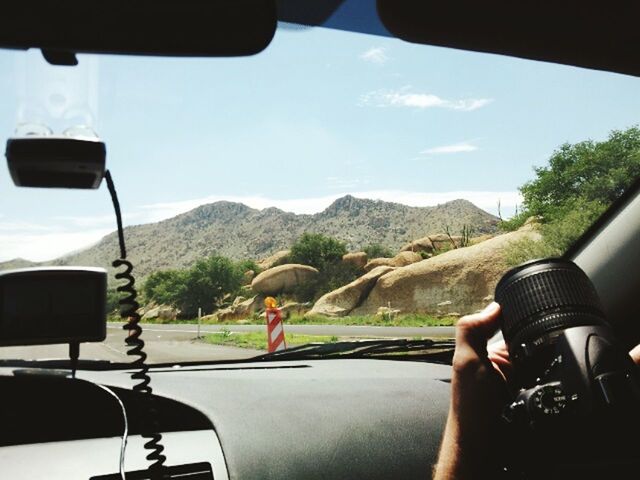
584,372
575,389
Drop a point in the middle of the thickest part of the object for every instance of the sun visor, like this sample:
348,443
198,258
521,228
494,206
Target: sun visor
141,27
597,35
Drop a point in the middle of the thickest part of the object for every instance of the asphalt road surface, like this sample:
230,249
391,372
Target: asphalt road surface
177,342
337,330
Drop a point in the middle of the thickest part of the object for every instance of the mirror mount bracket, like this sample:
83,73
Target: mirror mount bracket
63,58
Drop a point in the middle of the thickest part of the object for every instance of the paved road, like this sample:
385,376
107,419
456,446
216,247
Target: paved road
337,330
175,343
161,347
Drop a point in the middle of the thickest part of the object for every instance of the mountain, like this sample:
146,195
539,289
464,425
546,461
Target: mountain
17,263
240,232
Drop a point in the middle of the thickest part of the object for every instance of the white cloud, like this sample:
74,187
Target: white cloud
377,55
46,245
404,97
24,227
455,148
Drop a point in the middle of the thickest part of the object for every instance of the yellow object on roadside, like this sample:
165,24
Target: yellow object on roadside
270,302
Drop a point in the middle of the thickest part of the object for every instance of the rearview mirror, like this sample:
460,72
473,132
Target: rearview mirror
140,27
42,306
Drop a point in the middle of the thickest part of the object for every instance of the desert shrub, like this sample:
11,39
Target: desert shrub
246,265
317,250
204,285
376,250
331,277
113,297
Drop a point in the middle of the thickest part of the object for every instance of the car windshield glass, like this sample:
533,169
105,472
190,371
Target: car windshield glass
341,186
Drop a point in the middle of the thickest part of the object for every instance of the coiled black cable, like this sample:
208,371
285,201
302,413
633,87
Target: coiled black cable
129,311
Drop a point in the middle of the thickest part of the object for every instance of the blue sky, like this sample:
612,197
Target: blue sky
319,114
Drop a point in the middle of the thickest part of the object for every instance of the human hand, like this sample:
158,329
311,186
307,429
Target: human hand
499,357
478,394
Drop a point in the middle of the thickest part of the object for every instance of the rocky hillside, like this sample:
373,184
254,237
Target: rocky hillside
241,232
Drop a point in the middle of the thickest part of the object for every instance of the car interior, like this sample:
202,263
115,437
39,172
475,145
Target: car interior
291,415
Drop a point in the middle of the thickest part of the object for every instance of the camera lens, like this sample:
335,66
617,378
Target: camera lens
543,296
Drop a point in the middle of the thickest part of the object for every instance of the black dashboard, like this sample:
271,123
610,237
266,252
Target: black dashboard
321,419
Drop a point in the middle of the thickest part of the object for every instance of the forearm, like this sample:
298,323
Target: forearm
450,465
460,457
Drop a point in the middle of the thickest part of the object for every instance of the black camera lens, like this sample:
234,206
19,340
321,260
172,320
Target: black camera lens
543,296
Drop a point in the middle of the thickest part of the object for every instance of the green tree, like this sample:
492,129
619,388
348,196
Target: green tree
165,287
113,298
569,194
246,265
594,174
204,285
207,282
317,250
376,250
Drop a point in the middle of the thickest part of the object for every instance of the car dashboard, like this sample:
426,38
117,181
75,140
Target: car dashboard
337,419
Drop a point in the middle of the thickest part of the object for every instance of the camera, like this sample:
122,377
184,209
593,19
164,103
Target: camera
575,389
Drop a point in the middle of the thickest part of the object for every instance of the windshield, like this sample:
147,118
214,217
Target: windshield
341,186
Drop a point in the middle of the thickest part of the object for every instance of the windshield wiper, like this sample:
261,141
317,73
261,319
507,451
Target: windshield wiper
437,351
65,364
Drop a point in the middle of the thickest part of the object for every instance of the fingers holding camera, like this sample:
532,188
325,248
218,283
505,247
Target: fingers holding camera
477,394
472,334
477,385
499,356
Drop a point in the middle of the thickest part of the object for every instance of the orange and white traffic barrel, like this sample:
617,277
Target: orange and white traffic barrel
275,329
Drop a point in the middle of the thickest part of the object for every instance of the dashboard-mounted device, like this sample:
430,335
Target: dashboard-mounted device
56,162
41,306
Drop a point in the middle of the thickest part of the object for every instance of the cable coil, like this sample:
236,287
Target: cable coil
129,311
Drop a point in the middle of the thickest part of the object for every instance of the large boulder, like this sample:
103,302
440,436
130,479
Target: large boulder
401,260
294,308
464,276
164,313
343,300
247,277
278,258
357,259
282,279
241,308
432,243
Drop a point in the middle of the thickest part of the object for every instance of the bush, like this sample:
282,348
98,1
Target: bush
317,250
165,287
246,265
557,235
113,297
207,282
375,250
514,222
204,285
331,277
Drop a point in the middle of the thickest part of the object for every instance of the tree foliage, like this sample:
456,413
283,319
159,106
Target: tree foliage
317,250
325,254
204,285
588,175
375,250
113,299
577,185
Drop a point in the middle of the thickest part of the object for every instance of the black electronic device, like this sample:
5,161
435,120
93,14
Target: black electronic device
41,306
56,162
576,389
